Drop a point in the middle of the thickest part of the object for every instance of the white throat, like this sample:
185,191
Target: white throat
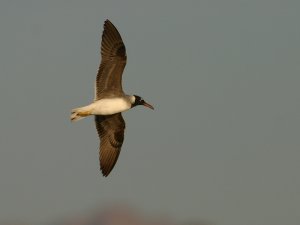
131,98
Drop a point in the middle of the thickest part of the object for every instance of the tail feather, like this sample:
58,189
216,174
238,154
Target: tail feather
78,114
75,117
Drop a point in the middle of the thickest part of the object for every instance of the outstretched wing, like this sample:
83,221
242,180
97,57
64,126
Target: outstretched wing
111,132
113,62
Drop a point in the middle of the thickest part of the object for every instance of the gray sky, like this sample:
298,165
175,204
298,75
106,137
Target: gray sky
222,144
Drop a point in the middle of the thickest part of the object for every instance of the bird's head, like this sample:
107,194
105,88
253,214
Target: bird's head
137,100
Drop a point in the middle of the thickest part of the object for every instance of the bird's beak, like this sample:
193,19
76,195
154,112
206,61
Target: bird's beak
148,105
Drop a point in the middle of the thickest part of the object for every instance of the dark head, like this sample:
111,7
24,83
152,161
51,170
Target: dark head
137,100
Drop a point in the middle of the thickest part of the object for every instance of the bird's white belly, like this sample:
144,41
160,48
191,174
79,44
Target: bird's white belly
110,106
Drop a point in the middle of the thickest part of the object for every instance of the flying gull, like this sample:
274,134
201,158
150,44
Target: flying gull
110,100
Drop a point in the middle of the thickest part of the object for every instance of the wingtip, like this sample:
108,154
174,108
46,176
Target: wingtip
104,173
107,21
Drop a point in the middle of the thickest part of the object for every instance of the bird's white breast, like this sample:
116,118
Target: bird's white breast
109,106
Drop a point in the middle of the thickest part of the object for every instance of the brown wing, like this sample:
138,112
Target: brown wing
111,132
113,54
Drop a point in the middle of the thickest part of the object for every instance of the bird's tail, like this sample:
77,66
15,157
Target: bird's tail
79,113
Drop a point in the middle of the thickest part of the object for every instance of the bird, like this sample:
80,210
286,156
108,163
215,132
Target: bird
110,100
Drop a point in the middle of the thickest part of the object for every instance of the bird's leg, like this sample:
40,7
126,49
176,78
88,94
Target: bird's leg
85,113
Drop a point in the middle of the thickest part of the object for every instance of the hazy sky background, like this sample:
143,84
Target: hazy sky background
223,144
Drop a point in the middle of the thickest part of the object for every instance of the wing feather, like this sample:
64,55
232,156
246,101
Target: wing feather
113,62
111,132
